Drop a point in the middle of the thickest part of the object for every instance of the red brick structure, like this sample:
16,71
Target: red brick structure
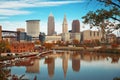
18,47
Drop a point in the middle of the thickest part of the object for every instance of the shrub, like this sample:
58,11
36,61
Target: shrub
114,45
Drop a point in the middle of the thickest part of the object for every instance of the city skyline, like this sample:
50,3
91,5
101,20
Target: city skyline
14,16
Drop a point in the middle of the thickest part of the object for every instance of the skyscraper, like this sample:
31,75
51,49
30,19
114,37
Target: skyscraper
75,26
33,28
51,25
65,25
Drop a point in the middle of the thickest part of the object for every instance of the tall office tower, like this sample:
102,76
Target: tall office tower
0,32
75,26
51,25
21,29
33,28
65,25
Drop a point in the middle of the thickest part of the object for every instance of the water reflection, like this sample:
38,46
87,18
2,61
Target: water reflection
33,68
50,66
67,64
76,62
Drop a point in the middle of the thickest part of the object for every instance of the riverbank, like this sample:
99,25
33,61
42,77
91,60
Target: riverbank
98,49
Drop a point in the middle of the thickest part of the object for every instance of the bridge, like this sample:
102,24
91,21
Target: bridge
9,34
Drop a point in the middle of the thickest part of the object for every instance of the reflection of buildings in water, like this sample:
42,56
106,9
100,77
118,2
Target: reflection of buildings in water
51,65
87,57
76,62
92,57
34,68
24,62
115,59
99,56
65,63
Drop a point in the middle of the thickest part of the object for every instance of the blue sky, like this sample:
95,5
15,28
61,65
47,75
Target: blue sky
14,13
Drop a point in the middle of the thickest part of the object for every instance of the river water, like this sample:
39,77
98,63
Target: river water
69,65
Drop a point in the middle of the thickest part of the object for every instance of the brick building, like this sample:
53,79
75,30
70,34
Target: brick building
18,47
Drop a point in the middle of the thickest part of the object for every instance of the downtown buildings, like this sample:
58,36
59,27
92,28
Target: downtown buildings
33,31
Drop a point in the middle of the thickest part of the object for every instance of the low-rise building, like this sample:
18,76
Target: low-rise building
52,38
75,36
65,36
18,47
91,35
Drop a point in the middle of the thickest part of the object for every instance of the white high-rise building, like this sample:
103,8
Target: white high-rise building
51,25
64,25
33,28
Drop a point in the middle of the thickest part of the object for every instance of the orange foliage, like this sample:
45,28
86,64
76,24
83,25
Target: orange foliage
48,45
114,45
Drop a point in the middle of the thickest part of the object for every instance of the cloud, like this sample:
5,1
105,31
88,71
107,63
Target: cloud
7,12
10,7
35,3
12,26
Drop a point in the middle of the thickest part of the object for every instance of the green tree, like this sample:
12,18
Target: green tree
42,38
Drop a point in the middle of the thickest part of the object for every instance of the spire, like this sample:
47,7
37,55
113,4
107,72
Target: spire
65,25
65,20
51,14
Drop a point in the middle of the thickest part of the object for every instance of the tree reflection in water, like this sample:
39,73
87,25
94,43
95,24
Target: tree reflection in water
68,60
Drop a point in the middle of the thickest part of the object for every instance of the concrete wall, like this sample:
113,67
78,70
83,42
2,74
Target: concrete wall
75,36
52,38
33,28
65,36
91,35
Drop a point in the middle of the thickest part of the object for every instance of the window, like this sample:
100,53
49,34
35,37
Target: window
94,33
90,33
97,33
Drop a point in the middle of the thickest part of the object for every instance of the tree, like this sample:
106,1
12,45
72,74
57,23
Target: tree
4,47
100,18
48,46
42,37
75,42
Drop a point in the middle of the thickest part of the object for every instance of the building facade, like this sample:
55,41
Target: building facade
75,26
33,27
50,39
21,29
23,37
65,25
75,36
91,35
65,36
17,47
51,25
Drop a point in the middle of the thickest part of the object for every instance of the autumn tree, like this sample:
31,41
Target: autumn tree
48,46
75,42
101,17
4,47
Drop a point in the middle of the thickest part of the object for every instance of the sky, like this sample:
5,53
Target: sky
14,13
